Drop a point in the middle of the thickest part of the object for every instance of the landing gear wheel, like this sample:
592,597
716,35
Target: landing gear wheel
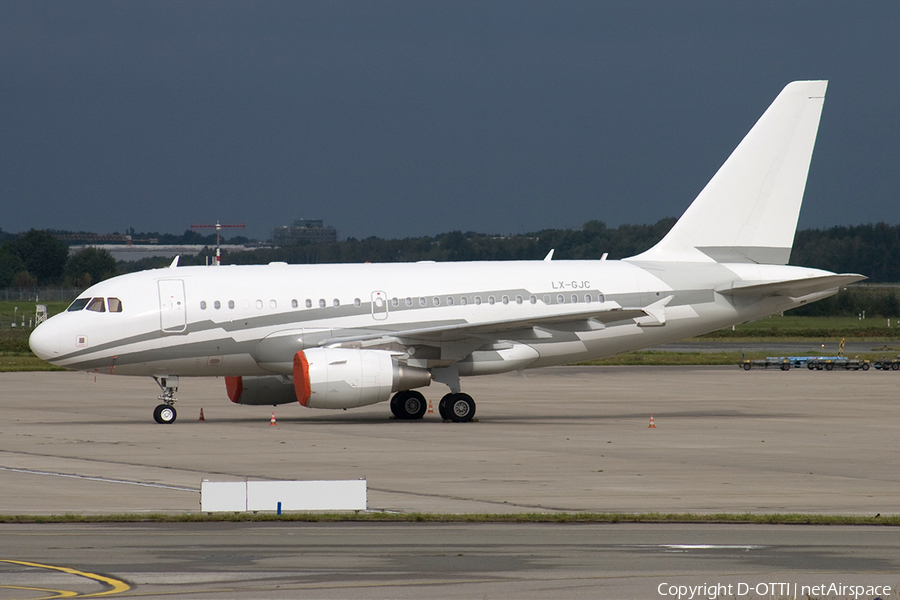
408,405
164,414
442,407
395,407
460,408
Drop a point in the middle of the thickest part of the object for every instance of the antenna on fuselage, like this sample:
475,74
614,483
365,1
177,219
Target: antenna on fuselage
218,227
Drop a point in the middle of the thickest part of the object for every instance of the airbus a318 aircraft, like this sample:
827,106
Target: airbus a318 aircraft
348,335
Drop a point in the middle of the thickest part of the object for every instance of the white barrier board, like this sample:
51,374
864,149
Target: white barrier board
239,496
223,496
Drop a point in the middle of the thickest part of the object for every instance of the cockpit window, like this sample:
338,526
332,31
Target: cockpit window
97,305
79,304
115,305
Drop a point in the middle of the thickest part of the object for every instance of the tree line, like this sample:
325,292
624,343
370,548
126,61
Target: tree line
39,258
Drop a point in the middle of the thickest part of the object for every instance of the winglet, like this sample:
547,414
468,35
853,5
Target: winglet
549,256
175,262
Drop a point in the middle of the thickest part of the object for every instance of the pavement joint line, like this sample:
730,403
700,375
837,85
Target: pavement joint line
451,497
112,462
102,479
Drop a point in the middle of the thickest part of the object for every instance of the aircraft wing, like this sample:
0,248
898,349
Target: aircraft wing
794,288
461,330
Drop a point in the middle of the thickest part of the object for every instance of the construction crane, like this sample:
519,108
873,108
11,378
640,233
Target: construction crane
218,227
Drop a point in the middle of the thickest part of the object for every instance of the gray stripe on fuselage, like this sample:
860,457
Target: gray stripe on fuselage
300,318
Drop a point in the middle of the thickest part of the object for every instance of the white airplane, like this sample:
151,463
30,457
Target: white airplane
347,335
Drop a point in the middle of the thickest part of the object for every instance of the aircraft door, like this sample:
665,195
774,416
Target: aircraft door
172,308
379,305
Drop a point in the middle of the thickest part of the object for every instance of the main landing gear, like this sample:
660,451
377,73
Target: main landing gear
458,407
410,405
165,412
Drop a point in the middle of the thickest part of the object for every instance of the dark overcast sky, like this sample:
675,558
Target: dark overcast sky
398,119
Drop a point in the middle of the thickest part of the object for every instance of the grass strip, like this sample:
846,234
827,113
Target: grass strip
15,363
393,517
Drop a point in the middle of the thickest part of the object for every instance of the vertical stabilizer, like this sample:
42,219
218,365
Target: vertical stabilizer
748,211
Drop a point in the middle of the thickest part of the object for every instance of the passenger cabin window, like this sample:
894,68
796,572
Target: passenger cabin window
203,305
115,305
97,305
78,304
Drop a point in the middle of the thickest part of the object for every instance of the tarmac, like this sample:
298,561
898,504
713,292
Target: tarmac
284,560
562,439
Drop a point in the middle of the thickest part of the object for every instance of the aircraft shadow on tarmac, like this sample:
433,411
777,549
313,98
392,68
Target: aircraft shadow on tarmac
380,419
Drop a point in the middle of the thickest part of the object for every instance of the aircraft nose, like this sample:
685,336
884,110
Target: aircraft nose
44,341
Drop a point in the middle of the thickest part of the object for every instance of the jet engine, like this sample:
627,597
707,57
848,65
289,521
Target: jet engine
331,378
347,378
255,391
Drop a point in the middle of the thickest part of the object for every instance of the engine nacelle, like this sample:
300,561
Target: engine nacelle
347,377
255,391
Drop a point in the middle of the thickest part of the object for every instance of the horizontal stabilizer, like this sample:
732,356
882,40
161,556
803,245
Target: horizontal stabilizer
794,288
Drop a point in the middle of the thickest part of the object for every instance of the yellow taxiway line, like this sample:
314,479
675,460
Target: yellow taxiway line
117,586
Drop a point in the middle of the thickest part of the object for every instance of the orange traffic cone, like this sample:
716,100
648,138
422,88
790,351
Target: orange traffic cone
201,416
652,424
272,422
430,409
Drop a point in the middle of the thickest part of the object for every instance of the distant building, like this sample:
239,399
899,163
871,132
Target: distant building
304,230
101,238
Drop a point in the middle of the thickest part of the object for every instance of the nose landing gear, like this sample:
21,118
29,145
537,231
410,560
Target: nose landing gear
165,412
